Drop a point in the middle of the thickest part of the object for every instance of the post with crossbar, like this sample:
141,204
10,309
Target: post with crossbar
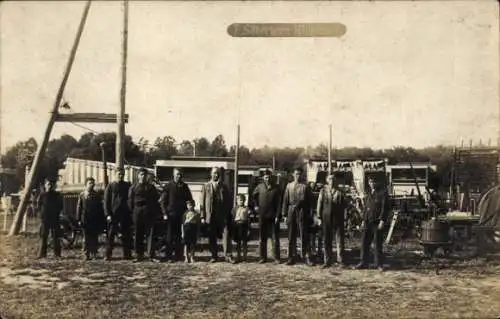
120,136
21,209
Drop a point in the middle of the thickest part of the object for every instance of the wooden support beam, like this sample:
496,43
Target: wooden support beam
16,225
89,118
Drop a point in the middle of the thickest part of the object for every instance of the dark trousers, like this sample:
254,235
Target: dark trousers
298,224
122,225
90,240
174,236
329,228
53,228
214,231
370,234
269,229
240,230
190,238
143,228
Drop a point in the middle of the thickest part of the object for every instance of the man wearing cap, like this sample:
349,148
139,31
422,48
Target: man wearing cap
215,211
297,206
330,210
118,215
375,213
173,205
143,202
267,200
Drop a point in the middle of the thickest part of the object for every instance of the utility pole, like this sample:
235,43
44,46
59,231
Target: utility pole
120,136
330,151
194,148
236,163
104,163
21,209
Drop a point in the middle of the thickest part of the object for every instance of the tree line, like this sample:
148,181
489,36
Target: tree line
144,153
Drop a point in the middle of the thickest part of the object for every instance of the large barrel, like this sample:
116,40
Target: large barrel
435,231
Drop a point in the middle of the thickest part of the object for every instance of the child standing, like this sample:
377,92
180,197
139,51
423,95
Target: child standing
241,226
191,222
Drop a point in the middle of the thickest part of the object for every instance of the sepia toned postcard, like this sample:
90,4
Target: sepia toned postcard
249,159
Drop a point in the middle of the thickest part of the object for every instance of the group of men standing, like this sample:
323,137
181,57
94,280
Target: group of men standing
136,207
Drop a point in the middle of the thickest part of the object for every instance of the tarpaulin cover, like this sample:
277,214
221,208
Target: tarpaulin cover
489,208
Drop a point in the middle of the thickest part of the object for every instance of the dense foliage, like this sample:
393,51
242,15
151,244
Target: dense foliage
144,152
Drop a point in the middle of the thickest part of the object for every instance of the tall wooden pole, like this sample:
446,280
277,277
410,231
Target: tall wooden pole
120,136
21,209
104,164
330,151
236,163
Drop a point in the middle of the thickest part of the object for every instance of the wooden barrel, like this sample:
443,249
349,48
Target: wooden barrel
435,231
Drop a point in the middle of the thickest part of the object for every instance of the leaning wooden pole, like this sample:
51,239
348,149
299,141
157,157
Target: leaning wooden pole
16,225
120,136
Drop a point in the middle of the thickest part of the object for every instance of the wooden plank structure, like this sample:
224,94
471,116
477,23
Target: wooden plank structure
89,118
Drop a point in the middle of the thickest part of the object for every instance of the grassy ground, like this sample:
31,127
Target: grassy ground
412,288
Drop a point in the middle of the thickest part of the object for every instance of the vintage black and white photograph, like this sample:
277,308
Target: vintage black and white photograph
249,159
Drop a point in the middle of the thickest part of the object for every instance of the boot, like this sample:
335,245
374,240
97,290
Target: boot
186,255
244,254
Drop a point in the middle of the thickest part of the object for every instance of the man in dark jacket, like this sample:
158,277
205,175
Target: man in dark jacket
330,211
173,205
267,200
215,211
50,206
90,213
118,215
143,202
375,212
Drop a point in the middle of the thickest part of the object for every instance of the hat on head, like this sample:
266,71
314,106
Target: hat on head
216,169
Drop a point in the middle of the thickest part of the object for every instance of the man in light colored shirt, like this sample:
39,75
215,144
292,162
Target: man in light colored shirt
297,206
215,210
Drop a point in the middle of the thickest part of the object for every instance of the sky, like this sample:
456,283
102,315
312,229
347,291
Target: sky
405,73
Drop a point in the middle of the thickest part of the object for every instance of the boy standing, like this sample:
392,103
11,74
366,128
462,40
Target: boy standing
241,226
191,222
90,213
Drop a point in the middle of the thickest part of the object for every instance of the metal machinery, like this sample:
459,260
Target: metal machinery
475,170
412,199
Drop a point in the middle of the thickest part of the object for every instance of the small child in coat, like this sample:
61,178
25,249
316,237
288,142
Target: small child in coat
190,227
241,226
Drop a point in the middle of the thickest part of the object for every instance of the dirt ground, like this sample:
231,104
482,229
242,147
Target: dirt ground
411,288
